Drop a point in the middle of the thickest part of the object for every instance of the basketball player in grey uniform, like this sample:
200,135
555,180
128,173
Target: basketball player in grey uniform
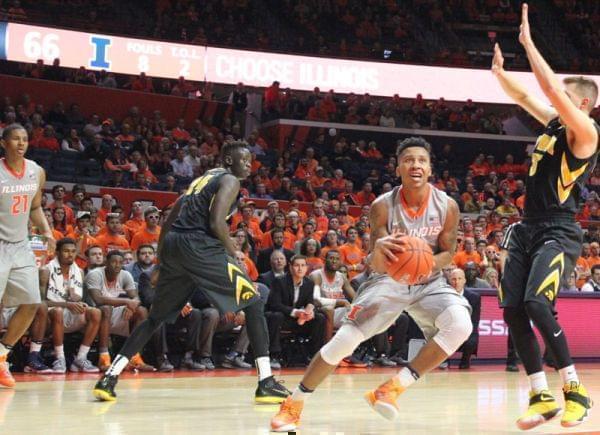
21,183
415,209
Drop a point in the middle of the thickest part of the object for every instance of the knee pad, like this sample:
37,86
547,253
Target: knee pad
343,343
454,327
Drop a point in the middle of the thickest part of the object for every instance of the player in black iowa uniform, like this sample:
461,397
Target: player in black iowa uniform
544,247
196,251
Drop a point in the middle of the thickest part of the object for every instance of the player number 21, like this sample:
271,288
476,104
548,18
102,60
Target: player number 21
20,204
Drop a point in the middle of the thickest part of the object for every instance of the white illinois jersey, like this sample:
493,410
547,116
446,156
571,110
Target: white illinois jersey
427,223
333,289
16,195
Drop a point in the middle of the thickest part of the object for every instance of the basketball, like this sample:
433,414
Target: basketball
414,264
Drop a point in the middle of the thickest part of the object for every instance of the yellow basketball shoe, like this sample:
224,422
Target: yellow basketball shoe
383,398
288,417
542,408
577,404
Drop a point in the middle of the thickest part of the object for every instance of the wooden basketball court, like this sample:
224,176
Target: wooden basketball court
483,400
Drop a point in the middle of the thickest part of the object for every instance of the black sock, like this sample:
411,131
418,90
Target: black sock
302,388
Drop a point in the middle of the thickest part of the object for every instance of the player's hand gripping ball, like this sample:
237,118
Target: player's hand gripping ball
414,264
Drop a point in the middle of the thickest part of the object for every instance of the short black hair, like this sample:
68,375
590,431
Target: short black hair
413,141
144,246
334,251
229,148
277,230
297,257
10,128
63,242
595,267
113,253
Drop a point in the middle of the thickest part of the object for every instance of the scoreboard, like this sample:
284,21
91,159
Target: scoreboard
24,43
118,54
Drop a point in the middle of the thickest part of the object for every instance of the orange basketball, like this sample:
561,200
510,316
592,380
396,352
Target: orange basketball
414,264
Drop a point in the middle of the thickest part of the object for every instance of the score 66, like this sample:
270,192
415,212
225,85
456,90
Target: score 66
45,47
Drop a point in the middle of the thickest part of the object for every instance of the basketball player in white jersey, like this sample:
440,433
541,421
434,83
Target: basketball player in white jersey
416,209
21,183
332,292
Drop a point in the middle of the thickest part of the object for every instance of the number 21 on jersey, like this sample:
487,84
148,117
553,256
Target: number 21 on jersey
20,204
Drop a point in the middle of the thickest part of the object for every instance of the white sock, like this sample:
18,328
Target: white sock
568,374
300,396
538,382
35,347
4,350
117,366
59,351
405,377
83,352
263,366
188,355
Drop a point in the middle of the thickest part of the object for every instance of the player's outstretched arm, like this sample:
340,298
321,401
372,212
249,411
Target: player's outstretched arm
447,238
586,136
515,90
229,187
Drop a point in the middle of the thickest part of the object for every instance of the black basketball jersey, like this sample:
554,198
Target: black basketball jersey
194,215
556,176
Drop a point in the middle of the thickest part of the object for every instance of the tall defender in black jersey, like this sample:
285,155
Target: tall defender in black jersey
543,248
196,252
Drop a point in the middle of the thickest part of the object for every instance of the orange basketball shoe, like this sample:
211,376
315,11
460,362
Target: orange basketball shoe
6,378
137,363
288,417
383,398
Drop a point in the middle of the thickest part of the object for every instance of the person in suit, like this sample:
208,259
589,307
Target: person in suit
278,264
291,307
469,347
264,256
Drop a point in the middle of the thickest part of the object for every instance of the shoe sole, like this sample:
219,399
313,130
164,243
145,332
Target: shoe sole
530,424
104,396
48,371
269,400
286,428
577,422
8,386
387,411
78,370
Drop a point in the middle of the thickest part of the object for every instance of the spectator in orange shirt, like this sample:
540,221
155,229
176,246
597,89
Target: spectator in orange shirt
348,194
479,167
469,254
105,207
331,242
179,133
317,113
112,239
318,180
338,182
351,253
318,212
294,204
251,221
583,271
372,151
58,194
293,225
312,250
56,234
137,221
150,232
267,216
288,238
594,257
83,238
48,140
60,221
303,171
142,83
366,195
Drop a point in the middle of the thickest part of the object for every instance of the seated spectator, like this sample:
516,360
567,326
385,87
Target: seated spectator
94,258
146,256
150,232
278,224
48,140
96,150
311,249
291,307
114,292
116,161
58,196
136,221
278,239
82,236
278,263
490,275
61,285
182,170
469,347
366,195
351,253
593,284
112,239
507,209
72,142
59,220
571,284
469,254
333,292
472,276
